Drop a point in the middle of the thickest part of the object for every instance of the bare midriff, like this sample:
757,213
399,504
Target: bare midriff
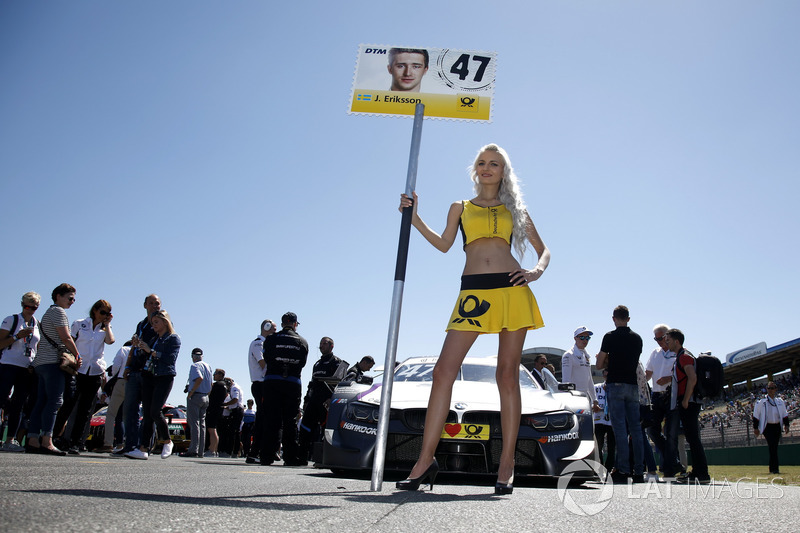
488,256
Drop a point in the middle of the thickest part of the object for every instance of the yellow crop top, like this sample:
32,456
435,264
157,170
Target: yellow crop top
485,222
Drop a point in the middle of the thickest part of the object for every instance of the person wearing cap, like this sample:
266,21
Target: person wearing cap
286,353
328,371
257,366
576,366
200,382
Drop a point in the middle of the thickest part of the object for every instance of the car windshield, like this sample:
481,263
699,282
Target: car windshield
469,372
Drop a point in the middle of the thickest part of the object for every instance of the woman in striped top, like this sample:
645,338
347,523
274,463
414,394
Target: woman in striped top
56,338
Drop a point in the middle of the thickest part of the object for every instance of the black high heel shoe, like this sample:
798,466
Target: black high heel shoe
505,488
413,484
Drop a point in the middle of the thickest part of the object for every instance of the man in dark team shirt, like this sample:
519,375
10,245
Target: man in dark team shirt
620,353
328,371
285,353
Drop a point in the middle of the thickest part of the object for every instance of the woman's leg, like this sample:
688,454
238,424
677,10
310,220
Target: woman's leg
509,354
68,398
213,440
54,383
455,348
148,386
163,386
35,422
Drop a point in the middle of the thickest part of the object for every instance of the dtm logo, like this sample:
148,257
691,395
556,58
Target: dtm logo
559,438
359,429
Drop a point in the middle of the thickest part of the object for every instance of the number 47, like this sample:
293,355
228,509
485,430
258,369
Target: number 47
461,67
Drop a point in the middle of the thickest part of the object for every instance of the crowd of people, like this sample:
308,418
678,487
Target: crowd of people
669,413
51,373
47,403
54,375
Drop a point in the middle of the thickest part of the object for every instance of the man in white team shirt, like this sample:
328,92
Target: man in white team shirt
576,366
659,368
257,366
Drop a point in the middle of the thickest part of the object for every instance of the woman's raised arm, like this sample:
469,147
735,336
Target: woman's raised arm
441,242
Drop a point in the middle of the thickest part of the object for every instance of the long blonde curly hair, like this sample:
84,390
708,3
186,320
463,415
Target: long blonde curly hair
509,194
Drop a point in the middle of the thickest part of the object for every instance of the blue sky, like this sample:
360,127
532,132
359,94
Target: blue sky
202,150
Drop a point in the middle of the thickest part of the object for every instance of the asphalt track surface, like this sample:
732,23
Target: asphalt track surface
98,493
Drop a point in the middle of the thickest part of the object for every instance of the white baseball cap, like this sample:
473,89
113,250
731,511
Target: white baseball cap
582,330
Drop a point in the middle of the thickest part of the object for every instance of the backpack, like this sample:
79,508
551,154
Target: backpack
12,332
710,376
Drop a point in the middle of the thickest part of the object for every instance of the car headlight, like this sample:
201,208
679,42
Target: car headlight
359,412
550,422
537,421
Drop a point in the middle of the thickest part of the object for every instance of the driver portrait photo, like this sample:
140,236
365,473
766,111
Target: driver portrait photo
407,66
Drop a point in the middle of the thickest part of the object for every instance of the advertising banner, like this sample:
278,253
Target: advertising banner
452,84
751,352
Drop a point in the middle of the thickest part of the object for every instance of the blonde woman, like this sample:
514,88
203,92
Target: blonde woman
494,298
157,379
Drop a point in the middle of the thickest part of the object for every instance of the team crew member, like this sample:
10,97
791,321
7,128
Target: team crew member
257,366
19,339
328,370
286,353
91,335
768,415
494,298
576,366
356,372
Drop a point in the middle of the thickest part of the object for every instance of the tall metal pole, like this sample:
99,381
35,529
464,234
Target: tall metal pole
397,304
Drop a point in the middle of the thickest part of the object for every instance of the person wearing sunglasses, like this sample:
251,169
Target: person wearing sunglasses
576,366
91,334
19,338
54,328
659,368
768,415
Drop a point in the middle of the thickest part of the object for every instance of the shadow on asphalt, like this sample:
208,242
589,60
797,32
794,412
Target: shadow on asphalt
543,482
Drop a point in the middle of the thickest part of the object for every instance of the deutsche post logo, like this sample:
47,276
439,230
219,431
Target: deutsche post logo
469,309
